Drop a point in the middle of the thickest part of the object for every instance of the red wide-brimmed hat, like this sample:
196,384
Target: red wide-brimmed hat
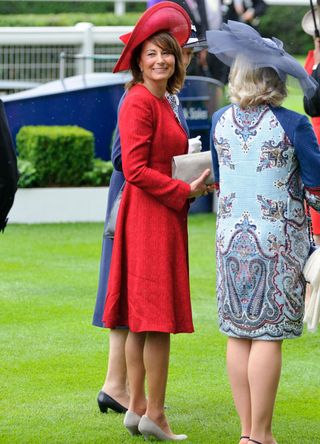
163,16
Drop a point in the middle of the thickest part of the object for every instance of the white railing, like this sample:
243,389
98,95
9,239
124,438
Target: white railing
120,5
33,53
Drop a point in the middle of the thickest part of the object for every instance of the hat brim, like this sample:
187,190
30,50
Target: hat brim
307,22
239,39
196,44
163,16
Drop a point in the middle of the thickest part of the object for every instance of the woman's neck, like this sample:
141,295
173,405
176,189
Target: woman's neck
156,88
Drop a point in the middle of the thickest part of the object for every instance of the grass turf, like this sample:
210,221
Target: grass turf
53,361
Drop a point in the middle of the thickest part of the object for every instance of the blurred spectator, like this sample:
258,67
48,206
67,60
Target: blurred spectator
246,11
310,26
8,169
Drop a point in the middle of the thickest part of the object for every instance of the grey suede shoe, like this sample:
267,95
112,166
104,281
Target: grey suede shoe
131,422
148,429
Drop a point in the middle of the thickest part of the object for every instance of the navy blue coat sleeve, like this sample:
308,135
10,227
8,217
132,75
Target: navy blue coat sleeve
312,106
183,120
116,146
308,153
301,134
215,161
8,169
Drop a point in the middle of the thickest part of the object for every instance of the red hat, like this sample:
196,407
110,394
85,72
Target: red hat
163,16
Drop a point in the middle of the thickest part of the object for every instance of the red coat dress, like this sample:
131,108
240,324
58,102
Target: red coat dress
148,288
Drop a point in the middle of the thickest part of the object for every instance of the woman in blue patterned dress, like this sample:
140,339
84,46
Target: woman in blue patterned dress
266,161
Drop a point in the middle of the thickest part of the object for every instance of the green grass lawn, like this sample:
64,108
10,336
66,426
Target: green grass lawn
53,361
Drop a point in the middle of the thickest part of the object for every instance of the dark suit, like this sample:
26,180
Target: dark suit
8,169
259,7
312,106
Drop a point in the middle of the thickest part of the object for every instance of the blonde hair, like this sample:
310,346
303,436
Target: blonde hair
250,86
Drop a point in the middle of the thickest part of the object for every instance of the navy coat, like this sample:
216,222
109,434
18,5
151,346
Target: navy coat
8,169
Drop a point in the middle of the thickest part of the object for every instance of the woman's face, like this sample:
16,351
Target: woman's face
187,54
156,63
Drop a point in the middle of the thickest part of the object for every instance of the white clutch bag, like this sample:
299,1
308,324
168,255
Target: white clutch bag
189,167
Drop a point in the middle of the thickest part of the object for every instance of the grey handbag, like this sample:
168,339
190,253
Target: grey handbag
188,167
111,224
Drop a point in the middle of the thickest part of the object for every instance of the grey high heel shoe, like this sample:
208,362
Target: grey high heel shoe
131,422
148,428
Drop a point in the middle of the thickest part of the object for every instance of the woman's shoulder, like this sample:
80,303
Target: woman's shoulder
138,95
291,121
140,91
287,115
219,113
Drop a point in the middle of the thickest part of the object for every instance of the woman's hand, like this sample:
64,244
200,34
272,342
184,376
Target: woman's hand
198,186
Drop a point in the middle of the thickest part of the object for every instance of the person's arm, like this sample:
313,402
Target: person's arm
116,158
215,160
8,169
308,154
259,8
312,106
116,146
254,9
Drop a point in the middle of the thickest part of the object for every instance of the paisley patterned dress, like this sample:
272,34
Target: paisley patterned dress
266,161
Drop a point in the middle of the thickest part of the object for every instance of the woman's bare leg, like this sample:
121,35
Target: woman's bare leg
115,384
136,371
156,361
263,373
238,352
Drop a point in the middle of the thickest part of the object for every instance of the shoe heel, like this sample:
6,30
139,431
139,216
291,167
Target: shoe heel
103,408
131,422
148,429
105,402
133,430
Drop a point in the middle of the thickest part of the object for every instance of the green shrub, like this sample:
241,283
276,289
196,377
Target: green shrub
27,174
45,7
99,175
102,19
284,22
60,154
56,7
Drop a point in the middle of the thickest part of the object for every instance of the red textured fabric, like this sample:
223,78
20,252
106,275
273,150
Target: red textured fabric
148,287
315,216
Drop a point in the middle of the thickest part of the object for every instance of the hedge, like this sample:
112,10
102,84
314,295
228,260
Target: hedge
107,19
284,22
60,154
48,7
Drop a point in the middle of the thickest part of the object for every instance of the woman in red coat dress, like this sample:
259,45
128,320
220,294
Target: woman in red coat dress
148,287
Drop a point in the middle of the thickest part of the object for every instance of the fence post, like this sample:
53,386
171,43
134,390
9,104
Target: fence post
119,7
86,66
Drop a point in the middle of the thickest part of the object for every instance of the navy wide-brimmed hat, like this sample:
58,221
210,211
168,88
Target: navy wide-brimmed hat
237,38
194,42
